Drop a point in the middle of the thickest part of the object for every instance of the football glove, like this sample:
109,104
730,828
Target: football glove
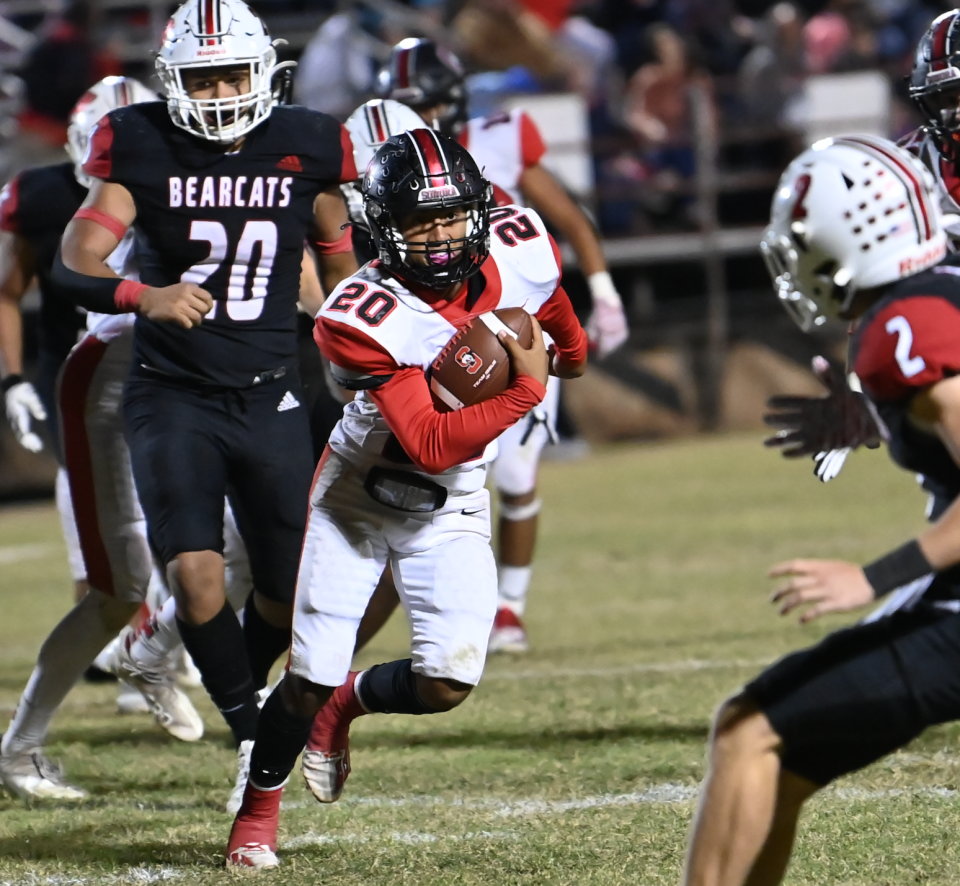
23,404
827,428
607,327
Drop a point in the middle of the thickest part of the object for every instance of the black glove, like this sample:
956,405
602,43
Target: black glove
826,428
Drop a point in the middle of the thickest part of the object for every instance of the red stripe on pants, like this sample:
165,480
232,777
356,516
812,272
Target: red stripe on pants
75,384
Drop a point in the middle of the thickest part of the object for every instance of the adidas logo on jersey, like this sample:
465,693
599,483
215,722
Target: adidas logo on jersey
225,190
288,402
291,163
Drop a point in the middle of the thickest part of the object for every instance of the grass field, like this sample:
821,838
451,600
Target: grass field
577,764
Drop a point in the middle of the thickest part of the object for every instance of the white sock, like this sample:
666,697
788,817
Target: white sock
512,585
64,656
158,637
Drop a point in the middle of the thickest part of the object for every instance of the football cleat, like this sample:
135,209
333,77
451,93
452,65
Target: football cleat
188,674
130,700
170,705
508,634
326,761
253,837
243,773
258,856
33,776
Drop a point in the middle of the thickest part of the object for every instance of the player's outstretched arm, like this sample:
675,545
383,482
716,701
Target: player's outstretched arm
81,267
334,238
835,586
607,326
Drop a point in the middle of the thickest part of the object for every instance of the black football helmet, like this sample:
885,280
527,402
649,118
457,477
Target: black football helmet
423,75
418,171
935,82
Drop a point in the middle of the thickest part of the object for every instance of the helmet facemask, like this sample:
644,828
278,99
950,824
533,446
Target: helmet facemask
941,111
222,120
437,264
219,35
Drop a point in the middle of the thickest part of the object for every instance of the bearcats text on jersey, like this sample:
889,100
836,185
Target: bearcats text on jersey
226,190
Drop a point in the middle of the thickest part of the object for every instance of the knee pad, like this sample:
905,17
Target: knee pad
518,513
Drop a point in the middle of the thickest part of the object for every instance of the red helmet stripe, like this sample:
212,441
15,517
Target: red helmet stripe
376,120
430,152
403,68
912,182
938,50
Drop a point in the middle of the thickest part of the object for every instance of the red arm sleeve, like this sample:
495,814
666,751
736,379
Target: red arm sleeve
911,344
557,318
532,147
437,441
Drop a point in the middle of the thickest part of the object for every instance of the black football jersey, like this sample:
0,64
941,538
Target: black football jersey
233,223
38,204
907,341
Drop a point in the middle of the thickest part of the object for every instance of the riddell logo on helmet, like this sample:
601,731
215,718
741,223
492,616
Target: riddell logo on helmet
202,52
920,262
468,360
438,193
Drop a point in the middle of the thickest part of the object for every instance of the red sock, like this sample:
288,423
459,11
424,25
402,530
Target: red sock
258,818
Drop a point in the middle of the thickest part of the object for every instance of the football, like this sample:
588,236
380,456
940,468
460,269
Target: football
474,366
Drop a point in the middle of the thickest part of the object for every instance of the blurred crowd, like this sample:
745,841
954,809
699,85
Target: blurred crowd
635,63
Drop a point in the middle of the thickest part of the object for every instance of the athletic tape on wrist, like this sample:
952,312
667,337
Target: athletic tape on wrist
517,513
127,296
898,568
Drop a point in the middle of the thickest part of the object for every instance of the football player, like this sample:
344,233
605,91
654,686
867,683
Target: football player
31,211
35,207
829,428
401,481
222,187
509,149
855,233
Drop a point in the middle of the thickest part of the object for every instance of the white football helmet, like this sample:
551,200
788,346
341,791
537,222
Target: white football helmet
850,213
101,98
373,123
218,34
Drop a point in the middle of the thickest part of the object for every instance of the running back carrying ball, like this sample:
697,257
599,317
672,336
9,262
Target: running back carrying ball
473,367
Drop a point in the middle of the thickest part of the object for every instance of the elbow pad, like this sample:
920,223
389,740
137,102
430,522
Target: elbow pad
104,295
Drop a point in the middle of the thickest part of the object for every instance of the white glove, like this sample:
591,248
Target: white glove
607,327
23,404
828,464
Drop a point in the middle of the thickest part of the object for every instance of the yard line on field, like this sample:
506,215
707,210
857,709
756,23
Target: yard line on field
667,794
410,838
659,667
18,553
135,875
663,793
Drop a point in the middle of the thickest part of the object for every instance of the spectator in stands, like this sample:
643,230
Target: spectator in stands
772,72
658,109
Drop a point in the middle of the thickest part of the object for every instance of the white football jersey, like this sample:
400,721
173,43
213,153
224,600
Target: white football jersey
504,145
386,327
